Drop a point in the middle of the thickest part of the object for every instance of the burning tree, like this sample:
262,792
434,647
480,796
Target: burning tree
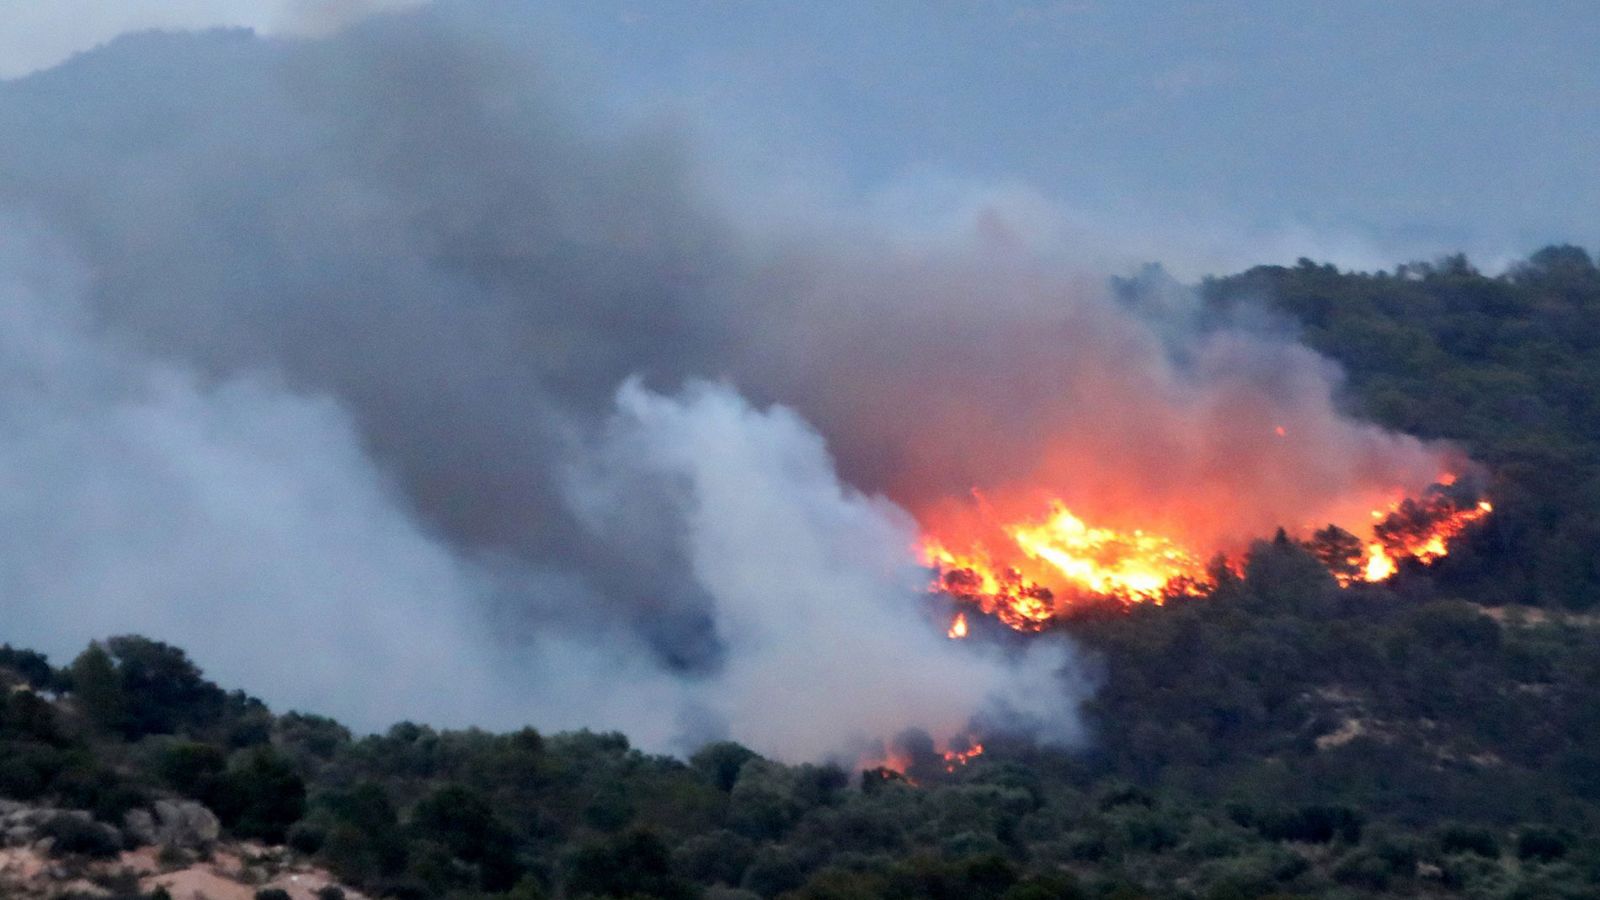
1028,572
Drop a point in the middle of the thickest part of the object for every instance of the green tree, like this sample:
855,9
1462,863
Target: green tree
633,864
97,689
260,796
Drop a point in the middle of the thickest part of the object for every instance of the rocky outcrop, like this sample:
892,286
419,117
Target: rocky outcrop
56,831
48,852
176,824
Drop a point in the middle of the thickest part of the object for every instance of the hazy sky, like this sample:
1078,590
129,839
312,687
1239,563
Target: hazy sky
1206,134
1383,127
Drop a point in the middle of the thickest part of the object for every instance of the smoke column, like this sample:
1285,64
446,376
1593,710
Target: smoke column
393,374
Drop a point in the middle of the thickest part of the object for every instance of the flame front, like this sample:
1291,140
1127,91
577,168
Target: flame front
954,758
1135,565
1060,560
1026,573
1419,529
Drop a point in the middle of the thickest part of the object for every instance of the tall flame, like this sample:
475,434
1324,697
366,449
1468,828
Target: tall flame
1028,572
1135,565
1378,566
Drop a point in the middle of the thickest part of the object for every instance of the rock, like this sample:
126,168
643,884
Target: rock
179,824
22,825
139,826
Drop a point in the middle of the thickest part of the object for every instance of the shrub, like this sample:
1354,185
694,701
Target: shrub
634,863
1541,843
78,836
1454,839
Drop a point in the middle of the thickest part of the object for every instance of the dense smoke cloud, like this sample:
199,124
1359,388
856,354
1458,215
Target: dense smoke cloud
395,364
232,516
244,521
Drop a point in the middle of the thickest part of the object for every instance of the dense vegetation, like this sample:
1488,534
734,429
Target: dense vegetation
1508,367
1438,735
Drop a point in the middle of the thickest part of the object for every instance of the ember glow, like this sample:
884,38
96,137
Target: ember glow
1028,572
958,627
921,760
955,758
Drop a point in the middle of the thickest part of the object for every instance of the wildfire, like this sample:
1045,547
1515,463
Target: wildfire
1378,566
958,627
1048,565
954,758
1067,560
916,762
1134,565
996,590
1419,529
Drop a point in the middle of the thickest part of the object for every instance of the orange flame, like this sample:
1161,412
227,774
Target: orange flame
958,627
1052,564
1419,529
954,758
1060,560
897,760
1134,565
1378,566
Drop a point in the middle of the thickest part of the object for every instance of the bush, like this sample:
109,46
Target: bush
1308,824
190,767
720,856
720,762
306,837
773,872
1454,839
1054,886
1542,844
78,836
259,798
630,864
32,667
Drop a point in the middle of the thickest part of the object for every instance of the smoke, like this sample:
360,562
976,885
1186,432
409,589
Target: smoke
821,608
393,374
233,517
35,36
942,364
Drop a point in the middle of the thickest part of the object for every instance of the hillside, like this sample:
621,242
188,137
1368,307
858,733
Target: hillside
1435,735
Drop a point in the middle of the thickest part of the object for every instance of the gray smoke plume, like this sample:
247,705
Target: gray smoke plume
392,375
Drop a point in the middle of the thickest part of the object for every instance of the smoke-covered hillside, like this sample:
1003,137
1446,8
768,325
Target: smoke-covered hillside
1432,735
400,350
723,514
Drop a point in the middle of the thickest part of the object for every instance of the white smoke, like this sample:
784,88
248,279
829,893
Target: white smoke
817,597
236,519
245,523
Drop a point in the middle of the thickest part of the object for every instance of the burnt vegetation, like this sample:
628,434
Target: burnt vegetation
1434,735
